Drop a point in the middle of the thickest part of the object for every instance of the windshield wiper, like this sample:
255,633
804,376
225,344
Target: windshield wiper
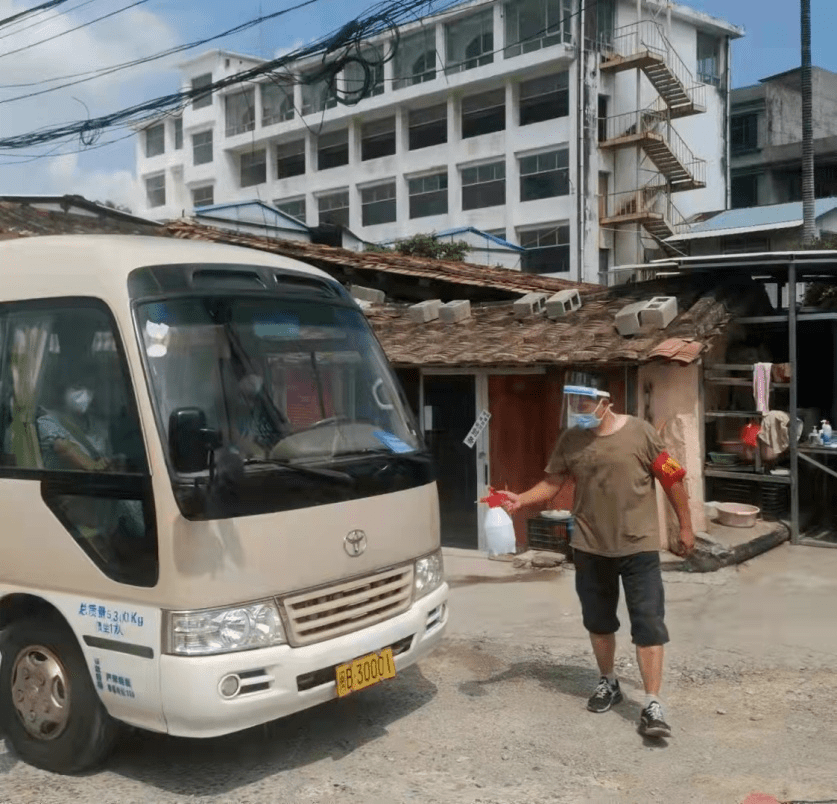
327,474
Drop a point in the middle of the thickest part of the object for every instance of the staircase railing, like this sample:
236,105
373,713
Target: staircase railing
652,199
654,121
648,36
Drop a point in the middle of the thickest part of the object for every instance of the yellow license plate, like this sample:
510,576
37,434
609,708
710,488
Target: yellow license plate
364,672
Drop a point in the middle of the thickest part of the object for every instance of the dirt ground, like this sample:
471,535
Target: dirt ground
497,715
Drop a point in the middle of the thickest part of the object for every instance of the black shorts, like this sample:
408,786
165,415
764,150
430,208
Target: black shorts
597,584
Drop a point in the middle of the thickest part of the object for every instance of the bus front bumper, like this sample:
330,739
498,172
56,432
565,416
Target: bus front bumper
278,681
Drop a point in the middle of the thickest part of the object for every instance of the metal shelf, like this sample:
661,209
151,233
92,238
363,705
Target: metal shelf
745,474
732,414
740,381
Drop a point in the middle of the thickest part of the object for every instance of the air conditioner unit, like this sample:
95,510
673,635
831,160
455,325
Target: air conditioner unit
605,238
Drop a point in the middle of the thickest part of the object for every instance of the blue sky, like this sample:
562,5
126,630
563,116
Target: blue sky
771,45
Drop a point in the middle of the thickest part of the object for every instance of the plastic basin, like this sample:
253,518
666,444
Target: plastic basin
737,515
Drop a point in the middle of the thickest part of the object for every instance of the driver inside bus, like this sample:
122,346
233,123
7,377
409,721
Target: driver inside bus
253,429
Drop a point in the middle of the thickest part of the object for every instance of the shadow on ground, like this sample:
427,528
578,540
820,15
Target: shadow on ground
221,765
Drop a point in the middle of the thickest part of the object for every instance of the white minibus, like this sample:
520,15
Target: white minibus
215,505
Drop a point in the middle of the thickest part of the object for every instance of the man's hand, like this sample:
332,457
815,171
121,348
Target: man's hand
512,502
684,544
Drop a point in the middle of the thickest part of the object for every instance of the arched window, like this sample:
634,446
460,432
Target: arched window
479,51
424,67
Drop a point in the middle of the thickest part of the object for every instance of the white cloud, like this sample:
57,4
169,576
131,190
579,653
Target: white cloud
133,34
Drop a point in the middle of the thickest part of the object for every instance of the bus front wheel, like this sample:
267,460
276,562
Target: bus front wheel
49,709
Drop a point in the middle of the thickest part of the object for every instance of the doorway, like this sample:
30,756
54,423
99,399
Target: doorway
449,413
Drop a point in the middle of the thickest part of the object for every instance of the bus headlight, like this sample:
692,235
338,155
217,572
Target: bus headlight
429,574
212,631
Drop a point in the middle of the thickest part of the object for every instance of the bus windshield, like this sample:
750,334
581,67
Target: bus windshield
284,383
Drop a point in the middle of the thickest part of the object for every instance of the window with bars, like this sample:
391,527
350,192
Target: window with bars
743,132
290,159
277,103
378,204
547,249
317,96
469,42
334,208
202,99
484,113
377,139
427,126
240,112
544,98
203,196
155,140
544,175
333,149
253,168
178,133
428,195
415,59
295,207
535,24
202,148
155,190
484,185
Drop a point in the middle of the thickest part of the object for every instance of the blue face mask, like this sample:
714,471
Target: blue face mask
585,421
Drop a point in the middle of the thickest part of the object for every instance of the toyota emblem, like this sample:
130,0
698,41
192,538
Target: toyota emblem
354,542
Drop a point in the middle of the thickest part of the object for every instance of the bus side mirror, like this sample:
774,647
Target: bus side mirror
190,441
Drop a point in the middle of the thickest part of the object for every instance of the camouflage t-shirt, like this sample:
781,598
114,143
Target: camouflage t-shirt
615,507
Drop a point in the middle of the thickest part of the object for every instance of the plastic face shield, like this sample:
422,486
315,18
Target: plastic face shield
583,407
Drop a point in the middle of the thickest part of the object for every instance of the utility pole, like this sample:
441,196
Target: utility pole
808,225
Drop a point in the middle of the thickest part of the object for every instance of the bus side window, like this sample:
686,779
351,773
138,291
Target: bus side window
67,411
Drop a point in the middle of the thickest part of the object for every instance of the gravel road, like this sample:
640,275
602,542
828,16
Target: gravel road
497,716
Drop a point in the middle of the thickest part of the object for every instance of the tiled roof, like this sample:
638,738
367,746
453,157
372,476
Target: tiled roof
343,263
25,218
493,337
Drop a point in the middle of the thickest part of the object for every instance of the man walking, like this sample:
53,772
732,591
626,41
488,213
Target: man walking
614,459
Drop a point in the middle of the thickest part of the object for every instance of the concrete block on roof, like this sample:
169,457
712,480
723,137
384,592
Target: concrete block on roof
424,311
563,303
367,294
530,304
659,312
627,319
455,311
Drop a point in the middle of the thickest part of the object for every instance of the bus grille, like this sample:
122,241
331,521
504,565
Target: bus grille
348,606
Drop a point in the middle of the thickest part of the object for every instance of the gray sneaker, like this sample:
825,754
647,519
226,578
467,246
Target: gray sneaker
604,696
652,721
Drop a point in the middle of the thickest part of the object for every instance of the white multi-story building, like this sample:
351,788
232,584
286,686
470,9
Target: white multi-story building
583,131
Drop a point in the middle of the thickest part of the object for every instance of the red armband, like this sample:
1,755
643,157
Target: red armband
667,470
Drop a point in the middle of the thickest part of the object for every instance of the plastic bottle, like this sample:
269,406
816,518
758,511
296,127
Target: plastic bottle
499,528
825,432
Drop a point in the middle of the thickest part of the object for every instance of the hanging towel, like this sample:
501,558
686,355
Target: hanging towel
761,386
774,433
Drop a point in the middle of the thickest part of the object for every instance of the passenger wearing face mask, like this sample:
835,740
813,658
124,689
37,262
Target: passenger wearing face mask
614,459
72,437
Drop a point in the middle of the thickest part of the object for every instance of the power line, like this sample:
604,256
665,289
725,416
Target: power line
46,19
144,59
71,30
29,12
345,46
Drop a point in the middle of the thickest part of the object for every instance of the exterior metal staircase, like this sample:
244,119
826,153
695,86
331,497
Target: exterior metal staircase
644,46
671,156
652,207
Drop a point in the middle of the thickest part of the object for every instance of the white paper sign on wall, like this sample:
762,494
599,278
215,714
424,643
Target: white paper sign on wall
479,426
